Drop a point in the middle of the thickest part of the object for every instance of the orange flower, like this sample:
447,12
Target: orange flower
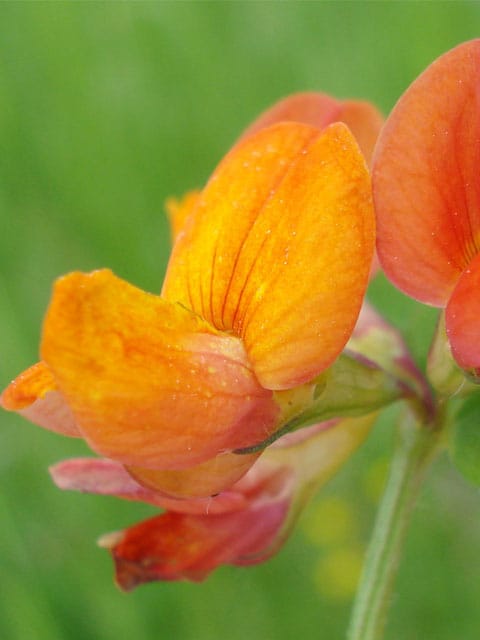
242,526
427,195
263,288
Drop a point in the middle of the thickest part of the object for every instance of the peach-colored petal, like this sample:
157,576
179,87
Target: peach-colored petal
284,233
150,384
425,178
319,110
107,477
462,317
179,210
34,395
201,481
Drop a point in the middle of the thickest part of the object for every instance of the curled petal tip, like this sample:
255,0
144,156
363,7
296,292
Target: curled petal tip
34,395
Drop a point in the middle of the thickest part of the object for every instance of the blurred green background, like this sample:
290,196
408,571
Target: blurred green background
106,109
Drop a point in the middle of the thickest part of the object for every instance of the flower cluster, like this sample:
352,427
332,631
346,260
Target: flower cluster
231,397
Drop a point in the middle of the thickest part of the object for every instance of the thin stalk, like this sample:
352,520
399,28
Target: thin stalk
415,449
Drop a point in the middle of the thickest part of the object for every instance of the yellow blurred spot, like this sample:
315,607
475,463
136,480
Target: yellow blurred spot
336,575
330,522
374,479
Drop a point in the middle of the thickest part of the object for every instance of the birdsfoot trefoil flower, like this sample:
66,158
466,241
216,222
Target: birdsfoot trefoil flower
262,292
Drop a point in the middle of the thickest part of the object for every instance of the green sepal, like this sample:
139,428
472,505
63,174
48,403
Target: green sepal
443,373
353,386
465,449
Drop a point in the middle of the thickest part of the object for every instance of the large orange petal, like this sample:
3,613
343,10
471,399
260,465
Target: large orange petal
34,395
425,178
201,481
279,249
150,383
319,110
462,318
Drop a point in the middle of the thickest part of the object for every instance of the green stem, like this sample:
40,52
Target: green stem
415,449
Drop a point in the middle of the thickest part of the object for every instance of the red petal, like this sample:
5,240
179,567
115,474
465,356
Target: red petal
425,178
177,546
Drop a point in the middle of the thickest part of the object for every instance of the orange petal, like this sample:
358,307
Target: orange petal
179,210
34,395
425,178
284,235
149,383
203,480
319,110
462,318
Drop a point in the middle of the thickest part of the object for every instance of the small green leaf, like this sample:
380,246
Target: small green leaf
466,439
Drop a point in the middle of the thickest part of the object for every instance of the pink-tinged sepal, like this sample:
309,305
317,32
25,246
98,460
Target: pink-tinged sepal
384,345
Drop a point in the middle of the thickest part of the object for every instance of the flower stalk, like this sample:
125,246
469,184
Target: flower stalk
415,448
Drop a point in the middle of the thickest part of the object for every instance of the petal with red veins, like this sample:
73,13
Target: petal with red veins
284,231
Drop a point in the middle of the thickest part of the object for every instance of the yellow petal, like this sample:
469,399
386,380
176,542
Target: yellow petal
149,383
280,248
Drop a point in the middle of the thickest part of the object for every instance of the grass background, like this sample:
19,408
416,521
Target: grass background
106,109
